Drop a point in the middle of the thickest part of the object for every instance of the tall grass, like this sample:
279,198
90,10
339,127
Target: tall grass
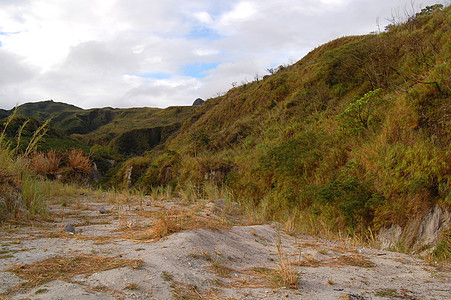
288,270
22,193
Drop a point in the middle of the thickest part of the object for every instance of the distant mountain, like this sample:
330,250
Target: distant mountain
53,138
44,109
115,127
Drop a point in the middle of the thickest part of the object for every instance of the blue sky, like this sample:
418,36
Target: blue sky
96,53
198,70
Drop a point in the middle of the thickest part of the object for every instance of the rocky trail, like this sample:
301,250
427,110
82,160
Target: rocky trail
173,249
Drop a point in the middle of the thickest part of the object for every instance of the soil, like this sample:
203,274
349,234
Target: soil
173,249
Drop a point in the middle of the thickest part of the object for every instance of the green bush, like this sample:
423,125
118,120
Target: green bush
358,115
356,200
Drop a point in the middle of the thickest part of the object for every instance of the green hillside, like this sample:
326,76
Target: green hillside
353,137
53,139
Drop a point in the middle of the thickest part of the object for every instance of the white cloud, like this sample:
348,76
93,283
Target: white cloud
95,53
203,17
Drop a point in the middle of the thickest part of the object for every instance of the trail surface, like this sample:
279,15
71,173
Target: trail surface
173,249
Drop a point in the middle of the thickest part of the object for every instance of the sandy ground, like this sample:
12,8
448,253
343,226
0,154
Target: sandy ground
177,250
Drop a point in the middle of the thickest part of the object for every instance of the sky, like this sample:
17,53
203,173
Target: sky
149,53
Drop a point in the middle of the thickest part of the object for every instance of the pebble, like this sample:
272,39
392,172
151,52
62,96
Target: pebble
103,210
69,228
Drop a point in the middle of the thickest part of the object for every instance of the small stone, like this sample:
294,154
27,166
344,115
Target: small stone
148,203
103,210
69,228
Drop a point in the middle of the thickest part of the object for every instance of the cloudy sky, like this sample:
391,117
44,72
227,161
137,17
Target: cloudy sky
159,53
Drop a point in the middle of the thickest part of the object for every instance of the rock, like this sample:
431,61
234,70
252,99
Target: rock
434,223
112,162
103,210
389,236
198,101
128,176
95,175
148,203
69,228
419,232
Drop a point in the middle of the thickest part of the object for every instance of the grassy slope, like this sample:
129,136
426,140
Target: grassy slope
286,150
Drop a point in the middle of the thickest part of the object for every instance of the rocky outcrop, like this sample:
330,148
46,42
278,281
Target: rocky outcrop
435,222
198,101
421,232
388,237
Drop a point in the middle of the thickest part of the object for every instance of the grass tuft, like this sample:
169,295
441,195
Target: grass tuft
288,270
64,268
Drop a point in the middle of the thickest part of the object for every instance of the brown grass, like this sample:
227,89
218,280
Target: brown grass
343,260
287,267
64,268
309,261
220,269
175,220
45,163
78,162
354,260
259,277
185,291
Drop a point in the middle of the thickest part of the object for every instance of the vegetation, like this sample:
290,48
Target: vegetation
25,173
353,137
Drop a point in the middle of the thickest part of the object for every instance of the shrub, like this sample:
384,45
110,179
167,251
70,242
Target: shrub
46,164
356,200
78,162
357,116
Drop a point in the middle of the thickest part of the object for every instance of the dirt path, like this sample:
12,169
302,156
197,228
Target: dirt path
172,249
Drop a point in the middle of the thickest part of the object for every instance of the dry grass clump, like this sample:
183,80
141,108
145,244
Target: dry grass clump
354,260
184,291
77,161
64,268
309,261
176,220
50,163
166,225
287,267
45,164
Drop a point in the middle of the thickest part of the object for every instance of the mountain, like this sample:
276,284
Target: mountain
108,126
44,109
